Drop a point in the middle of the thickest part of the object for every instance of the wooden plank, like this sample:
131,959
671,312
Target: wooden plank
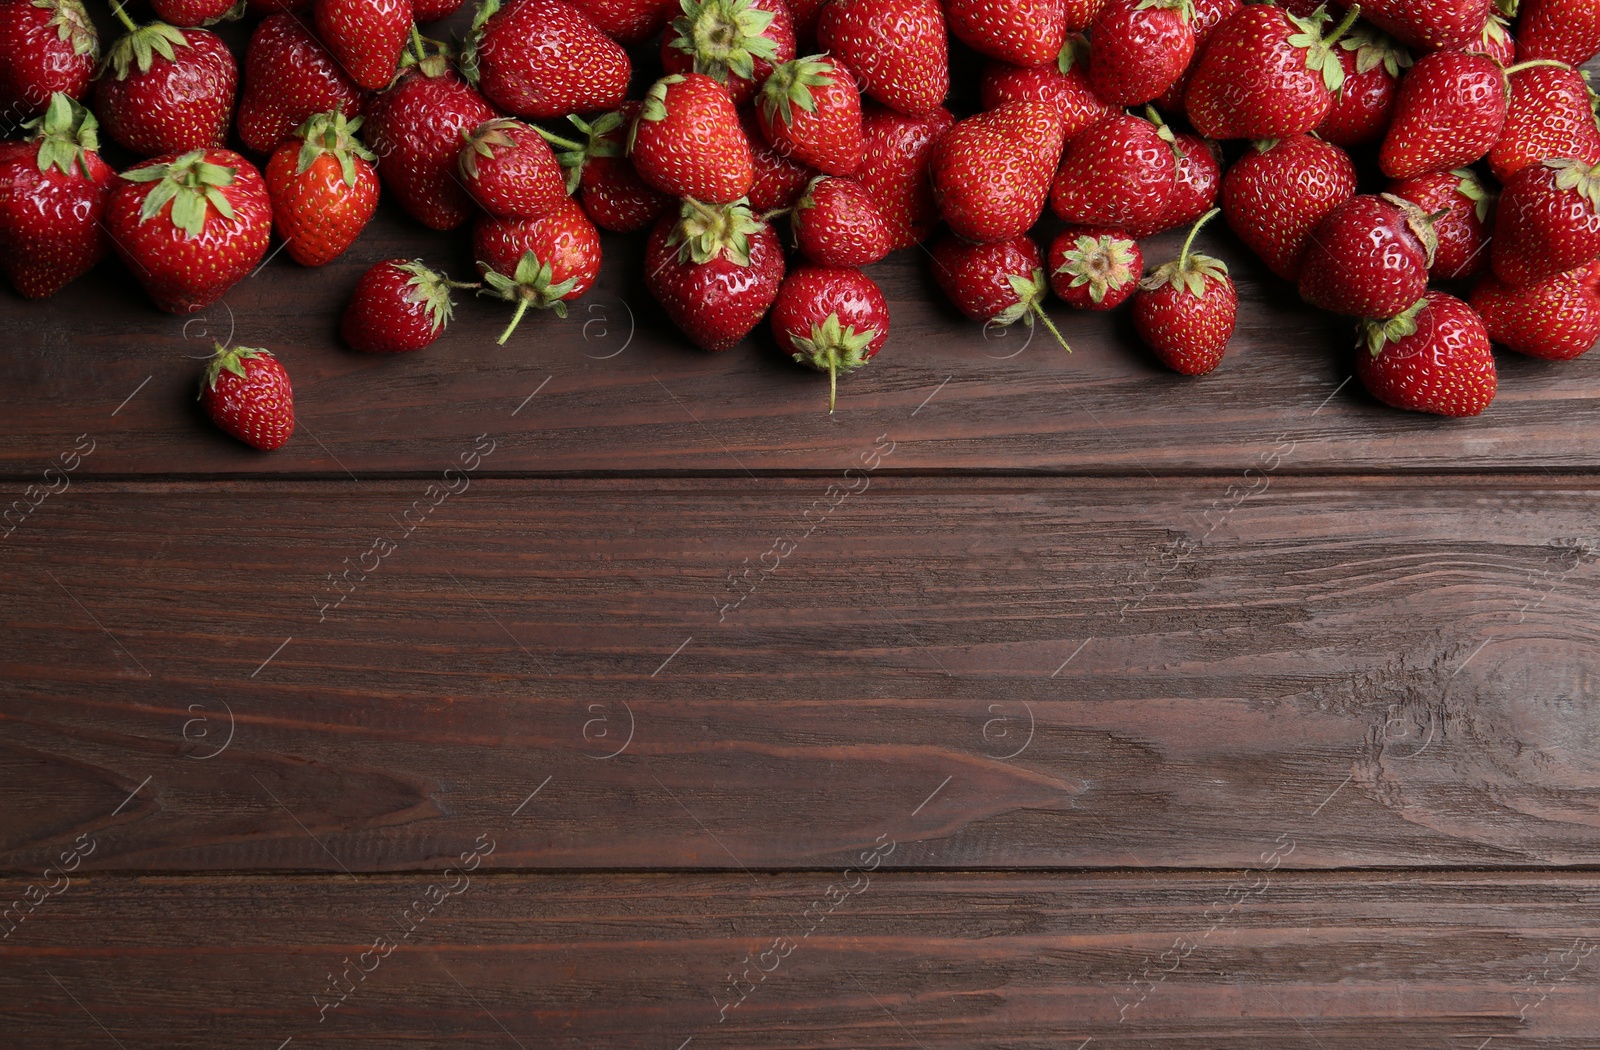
1082,673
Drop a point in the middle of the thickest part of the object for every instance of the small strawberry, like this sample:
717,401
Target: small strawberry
1194,190
1557,318
1430,24
1094,268
999,283
246,393
1141,48
628,22
1549,115
1565,30
323,189
1364,104
992,172
1082,13
192,13
434,10
715,269
1120,172
1548,221
190,227
895,48
611,192
399,305
809,109
1274,196
895,170
833,319
53,191
544,58
289,77
1025,33
1064,84
1185,310
837,223
1203,21
46,46
687,140
1462,210
779,179
1434,358
511,173
543,262
1369,257
366,37
737,43
166,90
1451,109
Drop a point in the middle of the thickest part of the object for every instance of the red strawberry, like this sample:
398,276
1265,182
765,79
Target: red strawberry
1265,74
434,10
190,227
628,21
1120,172
1025,33
167,90
1549,116
1548,221
544,58
1430,24
415,129
288,78
1094,268
1194,191
1434,357
365,36
715,269
687,140
246,392
399,305
1203,21
272,7
1369,257
992,172
737,43
1141,48
895,170
612,195
509,171
1064,84
895,48
804,14
45,47
779,179
1082,13
830,318
1451,109
809,109
1185,310
1463,228
999,283
1496,40
542,262
323,189
1557,318
1274,196
837,223
53,191
1364,104
1565,30
192,12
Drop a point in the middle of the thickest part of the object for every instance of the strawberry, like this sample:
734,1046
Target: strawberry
542,262
323,189
715,269
288,78
1195,188
53,191
189,13
1451,109
1565,30
399,305
1548,221
737,43
1205,17
687,141
627,21
1186,309
999,283
612,194
1430,24
992,172
837,223
1364,104
1141,48
1094,267
1496,41
895,170
1548,116
246,392
1265,74
190,227
166,90
1064,84
273,7
1557,318
896,49
830,318
1369,257
1434,358
1082,13
509,171
804,15
809,109
1462,209
434,10
1274,196
1119,172
543,58
46,46
1020,32
366,37
779,179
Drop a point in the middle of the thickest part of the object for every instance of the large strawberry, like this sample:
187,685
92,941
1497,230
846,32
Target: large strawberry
837,223
246,392
779,178
288,78
833,319
737,43
1021,32
1462,209
185,13
1186,309
1141,48
1557,318
1094,268
542,262
1565,30
1430,24
1364,104
323,189
687,140
433,10
715,269
53,191
628,21
1549,115
1206,16
1194,190
992,172
1369,257
1451,109
509,170
809,109
46,46
611,192
544,58
1548,221
1063,83
166,90
399,305
998,284
895,48
365,36
895,170
1119,172
1434,357
1274,196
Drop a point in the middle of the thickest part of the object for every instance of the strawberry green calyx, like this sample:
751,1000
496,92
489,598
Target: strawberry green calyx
1102,263
1576,175
1075,52
1030,292
833,347
192,184
1472,188
1381,332
489,136
724,37
791,83
332,134
432,290
230,360
1420,223
1320,56
65,134
1508,8
1162,130
141,44
1374,48
432,58
1191,271
529,286
708,231
653,106
598,142
72,25
1185,8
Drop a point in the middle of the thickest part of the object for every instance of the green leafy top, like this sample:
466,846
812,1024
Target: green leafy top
138,49
530,285
708,231
1190,271
600,140
1320,56
1380,332
791,83
431,289
654,105
333,134
1472,188
72,25
1102,263
1185,8
230,361
1576,175
417,53
66,133
724,36
1420,223
833,347
1374,48
192,184
1075,52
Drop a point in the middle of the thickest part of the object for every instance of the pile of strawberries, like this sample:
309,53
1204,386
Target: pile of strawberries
828,116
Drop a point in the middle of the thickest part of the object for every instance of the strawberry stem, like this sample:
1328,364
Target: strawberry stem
1534,63
833,380
516,318
1183,256
1051,325
122,16
1342,28
556,140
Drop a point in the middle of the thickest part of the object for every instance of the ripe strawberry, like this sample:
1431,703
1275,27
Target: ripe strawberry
1064,84
896,49
365,36
1462,208
837,223
288,78
542,262
166,90
1548,221
612,194
804,15
737,43
1557,318
399,305
1565,30
832,319
895,170
1185,310
1434,357
509,171
1451,109
999,283
1194,191
1369,257
809,109
1082,13
1430,24
715,269
687,140
53,191
45,47
189,13
190,227
1364,104
543,58
1496,39
1549,116
628,22
434,10
779,179
323,189
1141,48
1026,33
1094,267
1206,16
1120,172
1274,196
415,129
1265,74
246,392
992,172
